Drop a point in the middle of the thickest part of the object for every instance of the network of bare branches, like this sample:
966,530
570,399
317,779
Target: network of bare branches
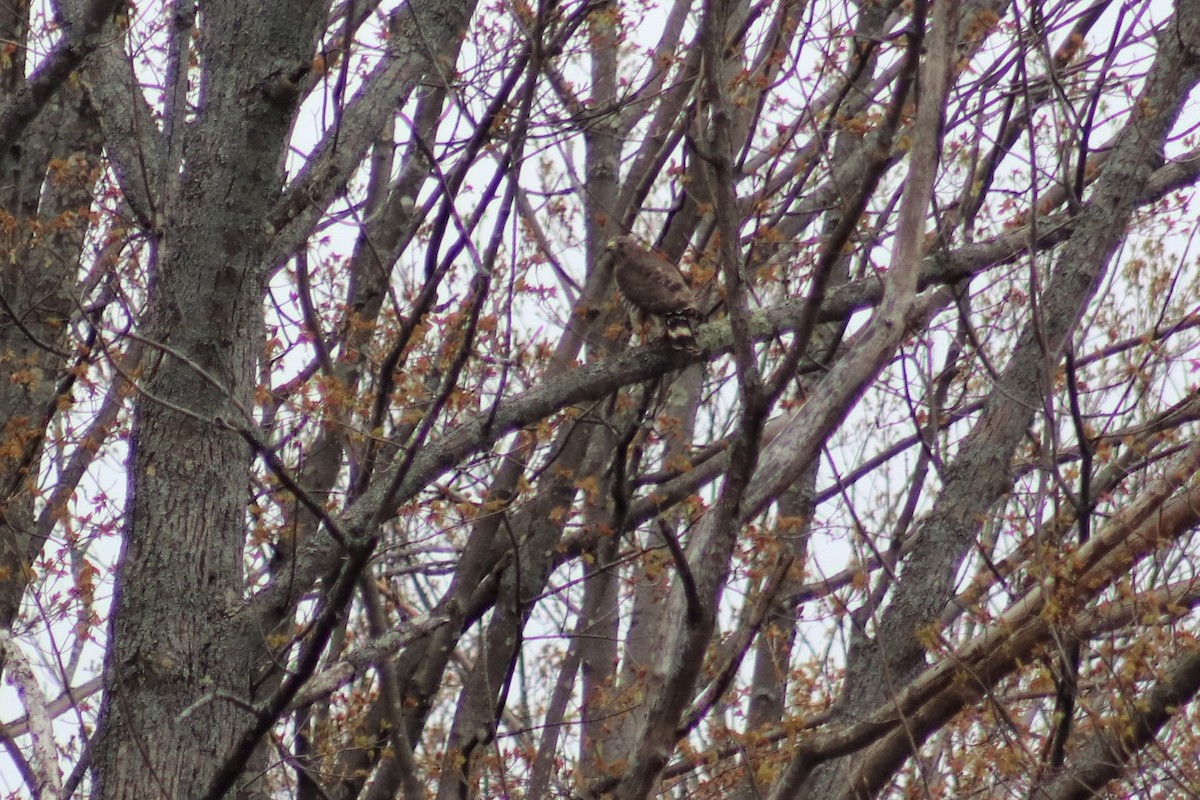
333,465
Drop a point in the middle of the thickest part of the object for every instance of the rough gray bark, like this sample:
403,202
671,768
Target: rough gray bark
411,511
181,576
36,287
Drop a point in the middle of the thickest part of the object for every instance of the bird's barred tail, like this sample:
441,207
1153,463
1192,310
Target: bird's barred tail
679,331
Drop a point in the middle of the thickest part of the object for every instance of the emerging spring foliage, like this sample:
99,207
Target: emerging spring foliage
333,467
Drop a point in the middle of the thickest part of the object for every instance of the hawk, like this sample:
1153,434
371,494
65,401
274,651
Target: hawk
655,288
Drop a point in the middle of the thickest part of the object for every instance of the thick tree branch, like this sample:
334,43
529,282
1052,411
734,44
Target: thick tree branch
79,38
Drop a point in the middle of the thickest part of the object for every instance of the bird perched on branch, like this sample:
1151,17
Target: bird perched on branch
656,289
